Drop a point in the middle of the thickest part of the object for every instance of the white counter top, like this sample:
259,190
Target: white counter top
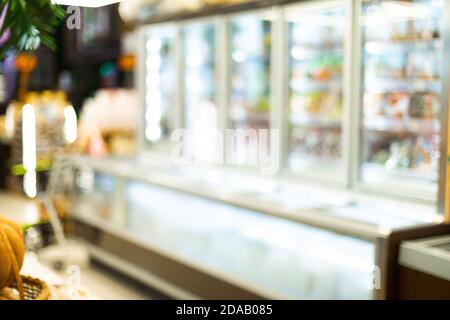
338,210
431,256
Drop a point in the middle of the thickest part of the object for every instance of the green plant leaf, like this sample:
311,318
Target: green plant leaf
31,23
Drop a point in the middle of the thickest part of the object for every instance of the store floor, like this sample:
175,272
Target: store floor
99,280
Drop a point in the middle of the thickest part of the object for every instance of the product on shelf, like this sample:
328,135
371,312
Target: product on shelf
402,105
316,84
401,24
250,84
322,144
396,105
424,105
49,113
250,92
326,105
402,49
108,123
322,68
419,154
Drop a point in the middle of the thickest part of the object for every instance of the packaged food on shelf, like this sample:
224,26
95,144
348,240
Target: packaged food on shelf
396,105
51,114
108,123
425,105
423,64
324,105
250,72
426,154
317,143
402,90
419,154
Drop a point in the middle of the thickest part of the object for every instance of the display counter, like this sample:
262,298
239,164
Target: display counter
266,237
424,268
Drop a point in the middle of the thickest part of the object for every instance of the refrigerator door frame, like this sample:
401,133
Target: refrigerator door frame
160,149
341,178
387,189
444,172
274,68
216,22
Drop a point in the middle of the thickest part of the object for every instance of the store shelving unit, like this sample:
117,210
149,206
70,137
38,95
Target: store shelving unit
276,74
299,77
315,96
161,209
402,91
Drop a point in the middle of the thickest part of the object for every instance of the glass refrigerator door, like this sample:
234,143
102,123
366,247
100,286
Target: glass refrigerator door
200,108
250,49
316,58
401,51
160,84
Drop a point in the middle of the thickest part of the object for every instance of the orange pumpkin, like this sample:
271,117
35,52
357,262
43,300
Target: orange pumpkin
12,251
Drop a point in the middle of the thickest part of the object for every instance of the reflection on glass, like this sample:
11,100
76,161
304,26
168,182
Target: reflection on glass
250,78
402,48
285,259
94,192
160,83
200,110
316,52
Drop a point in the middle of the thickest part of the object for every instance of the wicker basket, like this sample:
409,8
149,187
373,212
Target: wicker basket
34,289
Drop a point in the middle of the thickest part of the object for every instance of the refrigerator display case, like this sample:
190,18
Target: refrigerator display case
266,255
201,111
98,193
282,243
160,84
364,101
316,36
356,90
402,87
278,257
250,56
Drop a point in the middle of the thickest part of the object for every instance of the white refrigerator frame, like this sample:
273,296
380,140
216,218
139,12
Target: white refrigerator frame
387,189
349,179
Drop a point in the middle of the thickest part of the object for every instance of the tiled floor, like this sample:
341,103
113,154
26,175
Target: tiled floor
99,280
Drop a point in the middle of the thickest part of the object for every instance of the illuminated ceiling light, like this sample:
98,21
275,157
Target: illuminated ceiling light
85,3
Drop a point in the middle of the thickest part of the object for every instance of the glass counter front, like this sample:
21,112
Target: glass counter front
287,259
